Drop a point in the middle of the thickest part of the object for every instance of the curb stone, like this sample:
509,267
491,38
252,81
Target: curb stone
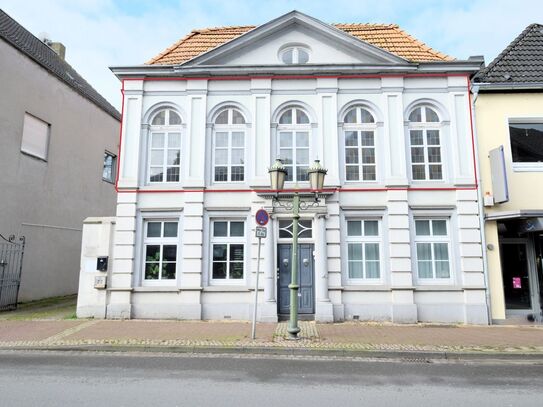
405,356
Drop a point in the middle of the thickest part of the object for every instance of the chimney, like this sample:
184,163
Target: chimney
59,48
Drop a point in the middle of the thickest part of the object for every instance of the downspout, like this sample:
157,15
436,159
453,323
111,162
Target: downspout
480,197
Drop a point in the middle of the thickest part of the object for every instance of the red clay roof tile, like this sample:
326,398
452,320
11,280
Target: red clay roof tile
389,37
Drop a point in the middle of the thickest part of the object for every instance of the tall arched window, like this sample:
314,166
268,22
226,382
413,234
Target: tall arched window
293,143
165,147
425,144
229,146
359,131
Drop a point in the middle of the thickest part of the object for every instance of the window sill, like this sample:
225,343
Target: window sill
366,287
358,182
527,167
108,181
226,184
162,185
435,284
226,288
436,287
156,289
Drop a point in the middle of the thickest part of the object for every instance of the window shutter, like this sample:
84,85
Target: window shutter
35,136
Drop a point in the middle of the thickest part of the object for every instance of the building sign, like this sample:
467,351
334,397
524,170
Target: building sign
498,175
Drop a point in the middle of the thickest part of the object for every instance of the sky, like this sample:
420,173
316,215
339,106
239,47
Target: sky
103,33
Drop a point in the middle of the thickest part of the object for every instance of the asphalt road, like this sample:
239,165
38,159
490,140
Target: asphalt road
98,379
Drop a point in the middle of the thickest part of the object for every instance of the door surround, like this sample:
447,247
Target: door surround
532,276
306,291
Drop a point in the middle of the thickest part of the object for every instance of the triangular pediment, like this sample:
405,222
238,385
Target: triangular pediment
326,44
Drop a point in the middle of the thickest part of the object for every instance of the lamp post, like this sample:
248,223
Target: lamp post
278,174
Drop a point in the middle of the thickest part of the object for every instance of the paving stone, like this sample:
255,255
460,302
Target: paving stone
339,336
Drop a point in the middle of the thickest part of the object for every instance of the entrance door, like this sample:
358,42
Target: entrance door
516,277
306,302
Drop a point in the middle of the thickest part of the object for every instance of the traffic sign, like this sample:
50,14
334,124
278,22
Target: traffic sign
261,232
262,217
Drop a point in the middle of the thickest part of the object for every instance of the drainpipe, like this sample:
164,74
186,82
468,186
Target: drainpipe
475,91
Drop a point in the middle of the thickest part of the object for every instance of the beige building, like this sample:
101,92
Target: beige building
508,98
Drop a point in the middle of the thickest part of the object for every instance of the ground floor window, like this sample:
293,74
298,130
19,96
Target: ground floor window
432,249
227,250
160,245
363,249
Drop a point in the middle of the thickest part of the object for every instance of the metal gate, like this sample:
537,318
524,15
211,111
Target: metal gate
11,264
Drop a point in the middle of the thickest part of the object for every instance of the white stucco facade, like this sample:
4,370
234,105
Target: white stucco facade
396,291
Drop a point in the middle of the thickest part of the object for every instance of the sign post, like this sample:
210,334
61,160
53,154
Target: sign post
262,217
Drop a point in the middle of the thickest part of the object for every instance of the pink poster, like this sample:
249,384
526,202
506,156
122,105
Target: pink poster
516,282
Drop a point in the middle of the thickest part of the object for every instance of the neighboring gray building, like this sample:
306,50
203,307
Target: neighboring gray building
56,136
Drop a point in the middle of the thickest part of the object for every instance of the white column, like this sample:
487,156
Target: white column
269,275
404,309
323,308
268,308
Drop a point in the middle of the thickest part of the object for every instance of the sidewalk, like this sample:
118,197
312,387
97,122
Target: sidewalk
348,338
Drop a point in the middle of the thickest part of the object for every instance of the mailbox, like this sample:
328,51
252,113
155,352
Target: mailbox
101,263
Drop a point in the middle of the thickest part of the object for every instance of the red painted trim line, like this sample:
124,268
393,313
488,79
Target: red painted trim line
471,124
303,190
290,77
120,140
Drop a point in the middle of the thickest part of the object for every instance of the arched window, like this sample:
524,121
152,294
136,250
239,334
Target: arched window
297,54
165,147
229,146
425,144
359,132
293,141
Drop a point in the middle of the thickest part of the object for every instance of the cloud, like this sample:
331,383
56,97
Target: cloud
103,33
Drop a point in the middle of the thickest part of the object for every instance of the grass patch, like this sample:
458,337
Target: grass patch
55,308
47,302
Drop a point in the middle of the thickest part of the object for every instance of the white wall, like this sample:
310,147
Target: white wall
398,296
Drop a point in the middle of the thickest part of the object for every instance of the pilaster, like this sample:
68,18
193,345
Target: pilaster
122,275
404,309
394,143
324,311
130,138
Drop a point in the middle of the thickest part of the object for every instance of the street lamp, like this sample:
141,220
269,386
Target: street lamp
316,175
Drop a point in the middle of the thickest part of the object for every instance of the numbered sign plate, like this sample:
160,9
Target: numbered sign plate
261,232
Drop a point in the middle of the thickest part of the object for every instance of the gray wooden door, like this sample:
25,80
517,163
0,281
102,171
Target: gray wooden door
306,297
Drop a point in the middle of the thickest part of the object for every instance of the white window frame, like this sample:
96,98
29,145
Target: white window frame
166,130
424,126
28,118
520,166
162,241
228,240
229,128
363,240
113,167
293,129
360,127
432,239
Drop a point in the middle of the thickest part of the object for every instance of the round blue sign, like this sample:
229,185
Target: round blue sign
262,217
